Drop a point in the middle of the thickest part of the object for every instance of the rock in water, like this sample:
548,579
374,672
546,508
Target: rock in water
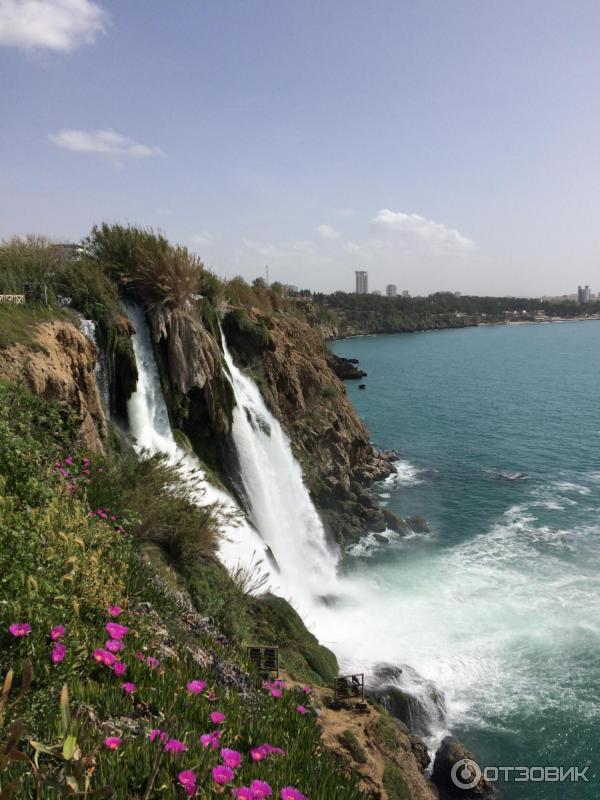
456,772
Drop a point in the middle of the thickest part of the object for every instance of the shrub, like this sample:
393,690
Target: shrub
145,263
29,259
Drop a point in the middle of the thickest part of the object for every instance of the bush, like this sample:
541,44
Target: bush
146,264
30,259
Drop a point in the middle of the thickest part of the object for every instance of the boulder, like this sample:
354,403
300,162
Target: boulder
464,780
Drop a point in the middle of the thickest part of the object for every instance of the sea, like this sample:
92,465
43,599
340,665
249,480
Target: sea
497,434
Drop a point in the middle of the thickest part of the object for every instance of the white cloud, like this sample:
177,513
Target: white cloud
106,143
420,232
327,232
52,24
202,238
351,247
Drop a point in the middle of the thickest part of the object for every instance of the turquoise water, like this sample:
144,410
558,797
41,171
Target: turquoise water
498,435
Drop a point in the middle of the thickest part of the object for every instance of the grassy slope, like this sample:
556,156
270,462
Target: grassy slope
59,565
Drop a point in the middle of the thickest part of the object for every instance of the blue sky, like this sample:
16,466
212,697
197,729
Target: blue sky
440,145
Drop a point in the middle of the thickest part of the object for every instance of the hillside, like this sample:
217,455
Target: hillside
122,637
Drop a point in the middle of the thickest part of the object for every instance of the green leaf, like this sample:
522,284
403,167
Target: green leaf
65,711
69,745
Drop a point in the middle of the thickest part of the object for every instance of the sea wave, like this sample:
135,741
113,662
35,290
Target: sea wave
406,474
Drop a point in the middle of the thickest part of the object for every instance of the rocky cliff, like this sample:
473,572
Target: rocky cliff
58,364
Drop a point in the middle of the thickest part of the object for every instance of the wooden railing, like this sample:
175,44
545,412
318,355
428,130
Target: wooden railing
17,299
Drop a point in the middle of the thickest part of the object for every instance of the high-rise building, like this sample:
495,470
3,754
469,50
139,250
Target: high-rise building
391,290
583,294
362,281
405,293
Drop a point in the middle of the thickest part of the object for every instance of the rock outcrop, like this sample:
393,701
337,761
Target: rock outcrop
59,365
193,377
346,368
457,774
387,759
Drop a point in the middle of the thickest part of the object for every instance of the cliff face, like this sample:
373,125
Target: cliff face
59,365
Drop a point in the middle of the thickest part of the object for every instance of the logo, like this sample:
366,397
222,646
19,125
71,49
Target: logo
466,773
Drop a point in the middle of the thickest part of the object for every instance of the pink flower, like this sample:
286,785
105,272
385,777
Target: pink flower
156,733
116,631
103,657
152,662
119,668
112,742
58,653
222,774
175,746
114,611
114,645
231,758
188,780
20,629
259,753
306,689
301,710
217,717
196,687
243,793
140,656
69,461
276,693
129,688
211,740
289,793
260,790
57,632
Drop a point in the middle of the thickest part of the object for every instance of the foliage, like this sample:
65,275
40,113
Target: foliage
276,622
29,259
370,313
146,264
64,564
33,432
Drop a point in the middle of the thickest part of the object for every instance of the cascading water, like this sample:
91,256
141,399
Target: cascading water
279,503
279,506
149,423
90,329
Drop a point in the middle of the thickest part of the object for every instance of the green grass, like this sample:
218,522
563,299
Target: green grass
394,783
18,324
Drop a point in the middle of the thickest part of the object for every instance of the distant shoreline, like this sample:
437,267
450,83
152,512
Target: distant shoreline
591,318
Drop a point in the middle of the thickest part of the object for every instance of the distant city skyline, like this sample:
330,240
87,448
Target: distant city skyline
457,153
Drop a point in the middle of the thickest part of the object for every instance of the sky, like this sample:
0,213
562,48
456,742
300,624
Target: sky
438,144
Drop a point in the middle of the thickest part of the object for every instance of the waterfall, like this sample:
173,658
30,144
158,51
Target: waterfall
279,503
89,328
149,422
